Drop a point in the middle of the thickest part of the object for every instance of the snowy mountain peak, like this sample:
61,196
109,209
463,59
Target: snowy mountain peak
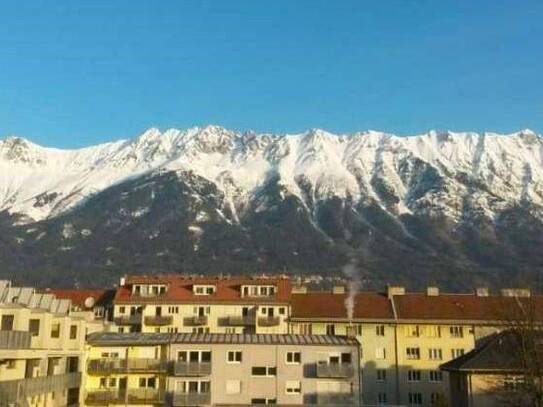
437,173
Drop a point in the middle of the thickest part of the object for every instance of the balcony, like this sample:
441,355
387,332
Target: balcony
191,368
158,320
196,320
15,339
126,396
128,319
335,399
99,366
247,320
190,399
268,321
335,370
12,391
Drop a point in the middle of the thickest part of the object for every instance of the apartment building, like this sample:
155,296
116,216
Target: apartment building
41,349
155,304
405,337
222,369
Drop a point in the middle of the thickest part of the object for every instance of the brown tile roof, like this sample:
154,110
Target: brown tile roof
368,305
464,307
179,290
79,296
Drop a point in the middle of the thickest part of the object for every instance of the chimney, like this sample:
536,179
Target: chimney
338,289
299,289
122,281
515,292
432,291
393,290
482,292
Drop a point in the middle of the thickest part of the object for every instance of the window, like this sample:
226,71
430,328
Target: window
380,353
73,331
434,331
194,356
436,376
381,398
34,326
330,329
122,310
293,387
263,371
513,383
148,382
456,331
455,353
7,322
294,358
11,364
412,331
113,382
306,329
413,375
103,382
233,387
281,310
380,330
413,353
415,399
121,329
435,354
381,375
234,356
55,330
346,357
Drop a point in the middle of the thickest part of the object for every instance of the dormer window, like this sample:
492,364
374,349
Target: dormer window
258,290
148,290
203,289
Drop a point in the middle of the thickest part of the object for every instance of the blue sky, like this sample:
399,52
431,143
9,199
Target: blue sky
74,73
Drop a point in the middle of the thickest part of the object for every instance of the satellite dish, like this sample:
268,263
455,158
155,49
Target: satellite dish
89,302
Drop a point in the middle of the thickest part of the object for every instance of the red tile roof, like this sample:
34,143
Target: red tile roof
368,305
463,307
79,296
179,290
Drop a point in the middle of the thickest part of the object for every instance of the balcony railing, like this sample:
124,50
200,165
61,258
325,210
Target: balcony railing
196,320
128,319
335,399
127,365
125,396
246,320
158,320
12,391
190,399
191,368
335,370
15,339
268,321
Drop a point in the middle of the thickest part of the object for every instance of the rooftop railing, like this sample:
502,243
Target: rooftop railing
15,339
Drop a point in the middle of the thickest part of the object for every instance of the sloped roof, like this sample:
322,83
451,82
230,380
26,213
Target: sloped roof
367,305
180,290
499,353
79,296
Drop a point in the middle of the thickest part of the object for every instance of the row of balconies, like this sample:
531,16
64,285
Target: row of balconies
179,368
198,320
146,396
12,391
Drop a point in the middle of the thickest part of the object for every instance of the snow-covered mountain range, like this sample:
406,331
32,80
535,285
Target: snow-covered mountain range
433,173
455,209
